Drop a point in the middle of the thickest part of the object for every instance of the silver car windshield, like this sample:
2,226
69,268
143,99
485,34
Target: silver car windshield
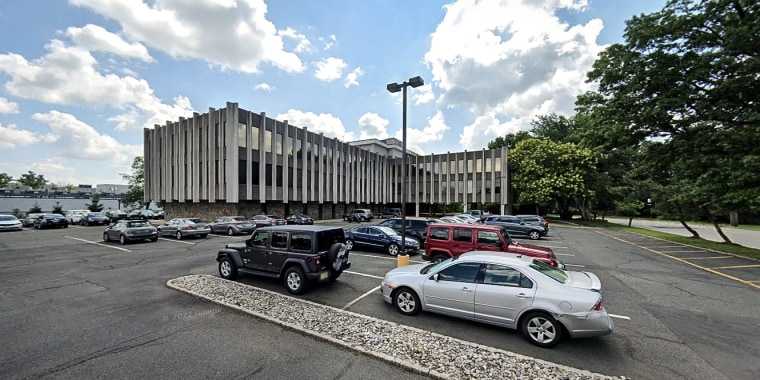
556,274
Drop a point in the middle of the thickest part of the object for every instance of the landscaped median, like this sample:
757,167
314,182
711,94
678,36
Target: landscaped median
420,351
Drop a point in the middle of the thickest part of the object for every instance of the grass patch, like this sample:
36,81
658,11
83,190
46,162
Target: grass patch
697,242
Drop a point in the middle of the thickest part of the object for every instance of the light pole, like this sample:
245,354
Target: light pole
395,87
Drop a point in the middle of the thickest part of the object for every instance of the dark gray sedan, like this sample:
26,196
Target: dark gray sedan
125,231
515,226
232,225
184,227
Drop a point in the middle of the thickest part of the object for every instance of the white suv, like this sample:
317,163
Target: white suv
75,216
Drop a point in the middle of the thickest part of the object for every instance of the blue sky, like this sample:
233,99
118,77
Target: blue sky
80,79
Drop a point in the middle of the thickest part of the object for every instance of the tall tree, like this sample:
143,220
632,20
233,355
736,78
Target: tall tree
33,180
510,140
136,180
95,205
548,171
4,179
687,76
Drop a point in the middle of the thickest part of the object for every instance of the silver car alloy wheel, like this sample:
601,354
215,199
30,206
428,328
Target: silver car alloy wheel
294,280
225,268
406,302
541,329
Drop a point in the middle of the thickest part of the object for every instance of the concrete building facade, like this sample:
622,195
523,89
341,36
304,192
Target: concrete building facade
231,161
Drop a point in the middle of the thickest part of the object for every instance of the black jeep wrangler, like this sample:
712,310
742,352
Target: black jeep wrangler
298,254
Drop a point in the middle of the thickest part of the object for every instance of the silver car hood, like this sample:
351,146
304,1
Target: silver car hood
584,280
407,269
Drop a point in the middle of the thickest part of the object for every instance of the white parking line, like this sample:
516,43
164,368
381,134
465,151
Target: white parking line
565,254
98,243
363,274
620,317
575,265
177,241
362,296
387,258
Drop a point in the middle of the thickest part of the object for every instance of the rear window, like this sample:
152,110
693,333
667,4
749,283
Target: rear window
463,235
325,239
438,233
194,221
556,274
300,242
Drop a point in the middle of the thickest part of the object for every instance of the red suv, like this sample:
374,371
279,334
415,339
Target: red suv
451,240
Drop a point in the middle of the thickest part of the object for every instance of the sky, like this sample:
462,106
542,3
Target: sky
81,79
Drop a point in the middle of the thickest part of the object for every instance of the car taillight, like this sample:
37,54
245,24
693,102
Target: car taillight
598,306
317,261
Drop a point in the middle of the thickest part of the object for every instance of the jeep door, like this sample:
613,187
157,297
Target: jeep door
489,241
461,241
254,256
278,251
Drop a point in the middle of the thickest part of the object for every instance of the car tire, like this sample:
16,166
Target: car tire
437,258
204,236
154,239
406,301
294,279
227,268
534,235
179,235
105,237
122,240
541,329
349,244
334,276
393,249
230,231
335,257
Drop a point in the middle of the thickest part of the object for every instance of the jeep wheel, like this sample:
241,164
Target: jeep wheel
334,276
227,268
393,249
337,256
349,244
534,235
295,280
230,231
406,301
179,235
105,237
438,258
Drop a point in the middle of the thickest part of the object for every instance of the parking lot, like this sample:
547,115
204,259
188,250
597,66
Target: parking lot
73,305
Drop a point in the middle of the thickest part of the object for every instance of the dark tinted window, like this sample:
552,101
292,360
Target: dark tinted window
463,272
439,233
463,235
325,239
279,240
300,241
489,237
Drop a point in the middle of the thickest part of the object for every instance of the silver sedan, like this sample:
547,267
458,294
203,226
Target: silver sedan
512,291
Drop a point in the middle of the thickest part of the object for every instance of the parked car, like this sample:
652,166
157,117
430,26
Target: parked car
515,226
381,238
184,227
453,219
28,220
517,292
232,225
478,214
50,221
268,220
299,219
94,219
451,240
415,227
536,220
298,255
158,214
141,215
389,213
358,215
114,215
469,218
10,223
126,231
75,216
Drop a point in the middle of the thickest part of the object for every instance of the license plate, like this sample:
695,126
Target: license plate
323,275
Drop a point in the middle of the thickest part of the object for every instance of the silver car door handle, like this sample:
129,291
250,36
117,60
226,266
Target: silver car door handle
523,295
466,289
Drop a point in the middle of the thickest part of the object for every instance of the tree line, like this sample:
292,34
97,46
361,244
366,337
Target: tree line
673,128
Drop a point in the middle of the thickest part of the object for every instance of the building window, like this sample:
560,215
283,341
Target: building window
278,142
242,128
268,141
255,138
488,165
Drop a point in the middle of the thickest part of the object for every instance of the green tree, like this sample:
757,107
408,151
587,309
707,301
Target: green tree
548,171
35,209
33,180
94,205
510,140
630,208
4,179
58,209
136,180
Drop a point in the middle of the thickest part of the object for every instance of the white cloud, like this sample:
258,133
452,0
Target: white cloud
373,126
264,87
11,137
230,34
304,45
67,75
7,106
329,69
433,131
329,42
423,94
96,38
490,59
352,78
328,124
75,139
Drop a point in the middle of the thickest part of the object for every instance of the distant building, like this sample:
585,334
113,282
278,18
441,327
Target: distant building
236,162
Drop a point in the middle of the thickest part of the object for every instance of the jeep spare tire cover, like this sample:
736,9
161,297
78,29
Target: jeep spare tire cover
337,256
